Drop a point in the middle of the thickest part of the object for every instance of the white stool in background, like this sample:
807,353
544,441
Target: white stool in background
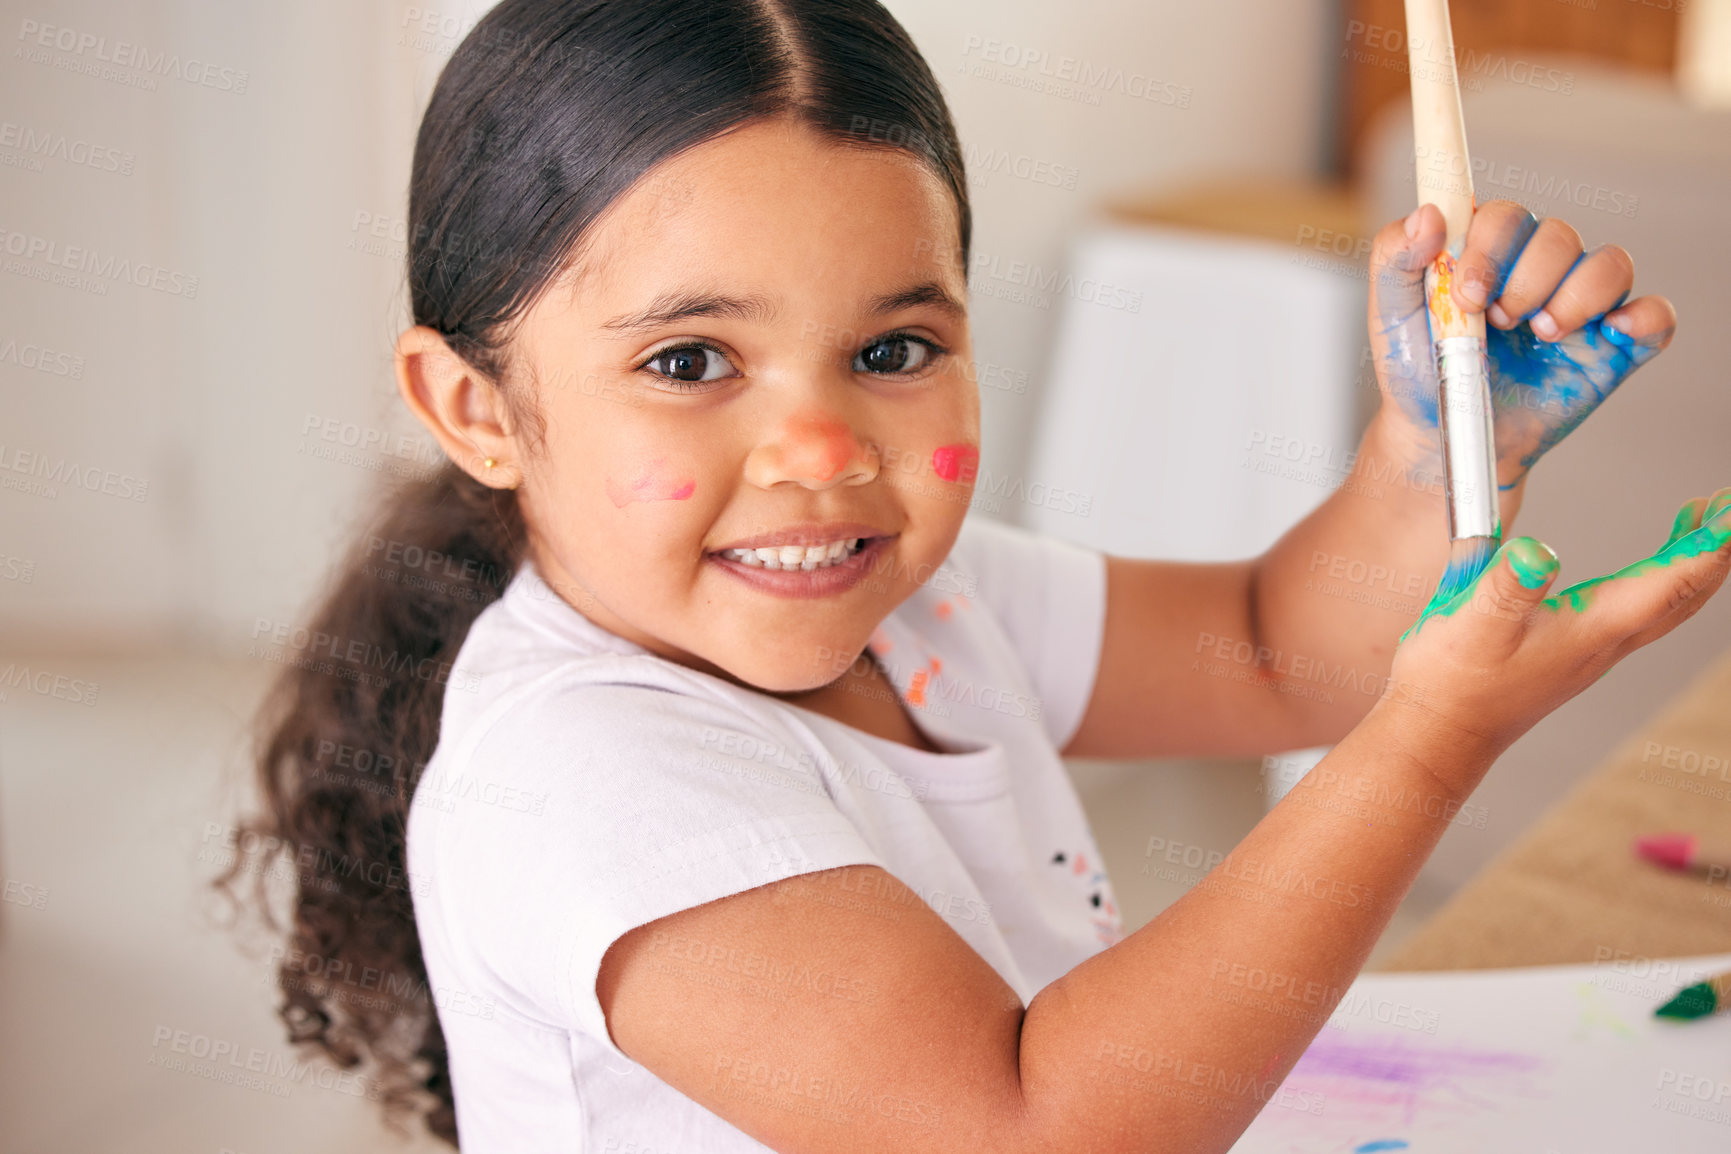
1158,416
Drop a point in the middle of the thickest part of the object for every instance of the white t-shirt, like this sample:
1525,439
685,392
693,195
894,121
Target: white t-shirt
588,786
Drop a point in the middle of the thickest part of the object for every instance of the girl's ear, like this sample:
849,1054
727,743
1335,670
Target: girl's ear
464,411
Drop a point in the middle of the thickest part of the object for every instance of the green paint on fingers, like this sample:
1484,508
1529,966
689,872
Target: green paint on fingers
1466,563
1683,522
1532,561
1707,538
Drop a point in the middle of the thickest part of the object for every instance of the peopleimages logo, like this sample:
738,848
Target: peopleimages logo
38,145
94,263
46,473
40,359
90,51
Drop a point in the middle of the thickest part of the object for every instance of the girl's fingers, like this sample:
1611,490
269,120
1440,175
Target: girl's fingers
1397,264
1598,283
1718,567
1688,519
1499,231
1541,267
1649,321
1717,502
1399,324
1642,602
1518,576
1506,593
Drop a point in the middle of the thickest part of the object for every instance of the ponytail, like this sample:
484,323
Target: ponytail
341,748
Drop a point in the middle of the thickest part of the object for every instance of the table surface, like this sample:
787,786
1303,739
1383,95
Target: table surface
1571,888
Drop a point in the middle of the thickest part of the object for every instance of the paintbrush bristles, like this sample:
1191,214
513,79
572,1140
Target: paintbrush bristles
1468,557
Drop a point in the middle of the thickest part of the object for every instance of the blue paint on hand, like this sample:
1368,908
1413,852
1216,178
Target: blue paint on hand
1380,1144
1541,391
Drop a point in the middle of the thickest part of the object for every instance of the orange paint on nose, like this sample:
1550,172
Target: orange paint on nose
823,447
956,462
650,484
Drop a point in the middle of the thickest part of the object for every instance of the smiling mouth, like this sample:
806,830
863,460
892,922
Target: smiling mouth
800,557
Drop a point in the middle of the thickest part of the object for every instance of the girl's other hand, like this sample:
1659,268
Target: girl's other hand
1559,336
1485,666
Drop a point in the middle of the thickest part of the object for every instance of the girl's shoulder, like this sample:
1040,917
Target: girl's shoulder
1022,609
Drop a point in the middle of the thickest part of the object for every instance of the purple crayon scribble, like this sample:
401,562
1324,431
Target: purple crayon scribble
1396,1082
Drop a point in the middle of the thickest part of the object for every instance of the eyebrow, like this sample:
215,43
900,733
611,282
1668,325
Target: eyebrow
671,307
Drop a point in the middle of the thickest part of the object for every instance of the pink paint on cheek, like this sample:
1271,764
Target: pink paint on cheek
956,462
650,484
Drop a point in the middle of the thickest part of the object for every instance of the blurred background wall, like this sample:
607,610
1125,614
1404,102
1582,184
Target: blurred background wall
283,195
216,402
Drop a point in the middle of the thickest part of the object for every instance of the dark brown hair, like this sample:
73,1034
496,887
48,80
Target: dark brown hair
545,114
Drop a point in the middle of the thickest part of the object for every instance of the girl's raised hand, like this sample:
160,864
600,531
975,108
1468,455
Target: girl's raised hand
1487,664
1558,334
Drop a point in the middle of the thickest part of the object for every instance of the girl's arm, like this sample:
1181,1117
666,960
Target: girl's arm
908,1040
835,1013
1288,650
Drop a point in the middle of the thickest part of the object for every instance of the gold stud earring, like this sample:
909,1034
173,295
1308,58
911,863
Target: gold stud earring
489,462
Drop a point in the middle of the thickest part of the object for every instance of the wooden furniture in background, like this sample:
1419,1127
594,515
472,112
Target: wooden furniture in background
1491,36
1572,891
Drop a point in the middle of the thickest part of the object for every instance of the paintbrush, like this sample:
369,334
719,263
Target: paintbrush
1445,179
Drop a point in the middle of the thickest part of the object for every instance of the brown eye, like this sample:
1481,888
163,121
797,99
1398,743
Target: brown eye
689,364
898,354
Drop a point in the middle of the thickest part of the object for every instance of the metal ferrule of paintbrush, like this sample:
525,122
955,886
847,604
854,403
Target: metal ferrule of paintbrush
1445,179
1468,436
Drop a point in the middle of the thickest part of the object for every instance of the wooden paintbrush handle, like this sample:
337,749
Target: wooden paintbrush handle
1445,179
1445,174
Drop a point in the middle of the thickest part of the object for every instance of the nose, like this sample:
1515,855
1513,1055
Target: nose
815,450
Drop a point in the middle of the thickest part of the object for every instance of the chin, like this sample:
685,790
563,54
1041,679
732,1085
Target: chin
798,670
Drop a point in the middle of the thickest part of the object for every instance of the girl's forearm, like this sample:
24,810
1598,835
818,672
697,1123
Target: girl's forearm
1334,594
1176,1037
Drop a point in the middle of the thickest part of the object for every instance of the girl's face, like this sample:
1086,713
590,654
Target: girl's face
763,344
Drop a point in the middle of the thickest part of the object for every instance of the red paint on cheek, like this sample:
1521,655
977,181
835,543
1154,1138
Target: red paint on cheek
956,462
649,485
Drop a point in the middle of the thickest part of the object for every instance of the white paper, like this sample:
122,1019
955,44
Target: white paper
1541,1060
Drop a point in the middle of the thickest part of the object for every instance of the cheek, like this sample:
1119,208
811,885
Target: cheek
958,462
651,481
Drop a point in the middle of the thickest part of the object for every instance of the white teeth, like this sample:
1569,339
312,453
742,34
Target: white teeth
797,556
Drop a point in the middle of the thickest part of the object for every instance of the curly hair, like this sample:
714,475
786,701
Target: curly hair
546,113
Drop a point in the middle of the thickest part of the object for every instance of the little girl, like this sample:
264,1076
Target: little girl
735,819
